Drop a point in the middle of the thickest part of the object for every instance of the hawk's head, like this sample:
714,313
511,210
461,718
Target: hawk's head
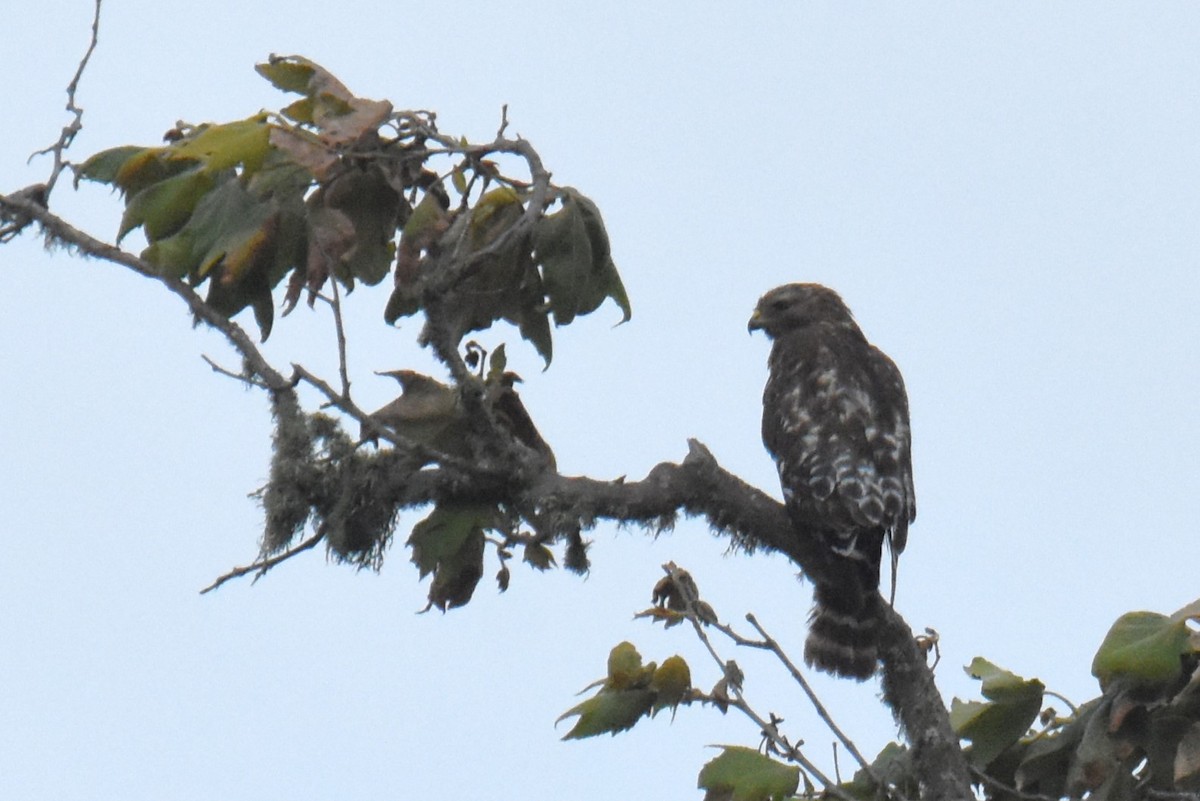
795,306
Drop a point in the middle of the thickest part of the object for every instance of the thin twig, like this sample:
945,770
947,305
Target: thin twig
1063,698
768,728
225,371
769,643
336,305
263,565
71,129
999,785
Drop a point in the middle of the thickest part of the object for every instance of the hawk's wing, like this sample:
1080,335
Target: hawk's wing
837,425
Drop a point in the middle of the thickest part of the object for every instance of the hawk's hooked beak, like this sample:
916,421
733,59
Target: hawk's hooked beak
756,322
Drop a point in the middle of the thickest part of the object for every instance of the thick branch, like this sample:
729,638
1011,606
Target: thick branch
698,486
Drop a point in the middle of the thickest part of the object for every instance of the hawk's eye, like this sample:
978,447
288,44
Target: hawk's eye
779,305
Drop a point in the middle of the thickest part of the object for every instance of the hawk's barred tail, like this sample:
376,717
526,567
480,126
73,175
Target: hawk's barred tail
843,635
843,641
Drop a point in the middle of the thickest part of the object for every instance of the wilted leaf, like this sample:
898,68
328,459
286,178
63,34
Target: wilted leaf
1144,648
330,236
539,556
306,150
1044,765
1095,759
342,117
369,202
1187,758
992,727
743,774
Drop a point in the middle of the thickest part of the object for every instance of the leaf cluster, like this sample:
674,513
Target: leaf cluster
631,690
338,187
1140,739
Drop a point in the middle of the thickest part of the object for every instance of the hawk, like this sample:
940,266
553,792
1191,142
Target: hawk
835,419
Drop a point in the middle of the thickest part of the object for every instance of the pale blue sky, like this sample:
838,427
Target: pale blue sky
1007,195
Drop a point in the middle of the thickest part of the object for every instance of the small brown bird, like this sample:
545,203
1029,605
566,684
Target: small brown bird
511,413
431,413
427,412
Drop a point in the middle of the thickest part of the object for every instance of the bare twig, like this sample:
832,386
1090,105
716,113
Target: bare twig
339,327
335,304
71,129
263,565
1006,790
1063,698
768,727
769,643
225,371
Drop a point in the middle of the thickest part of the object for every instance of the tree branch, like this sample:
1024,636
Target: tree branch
261,566
697,486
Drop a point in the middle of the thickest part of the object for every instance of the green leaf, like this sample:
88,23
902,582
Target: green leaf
443,533
162,208
449,543
671,682
1144,648
573,248
222,147
104,166
199,242
534,325
458,179
625,667
564,250
291,74
743,774
497,364
892,767
992,727
609,712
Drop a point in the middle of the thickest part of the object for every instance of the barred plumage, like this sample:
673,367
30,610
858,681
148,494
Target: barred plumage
835,419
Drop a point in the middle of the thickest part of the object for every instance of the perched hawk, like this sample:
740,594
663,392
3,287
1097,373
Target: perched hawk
835,419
